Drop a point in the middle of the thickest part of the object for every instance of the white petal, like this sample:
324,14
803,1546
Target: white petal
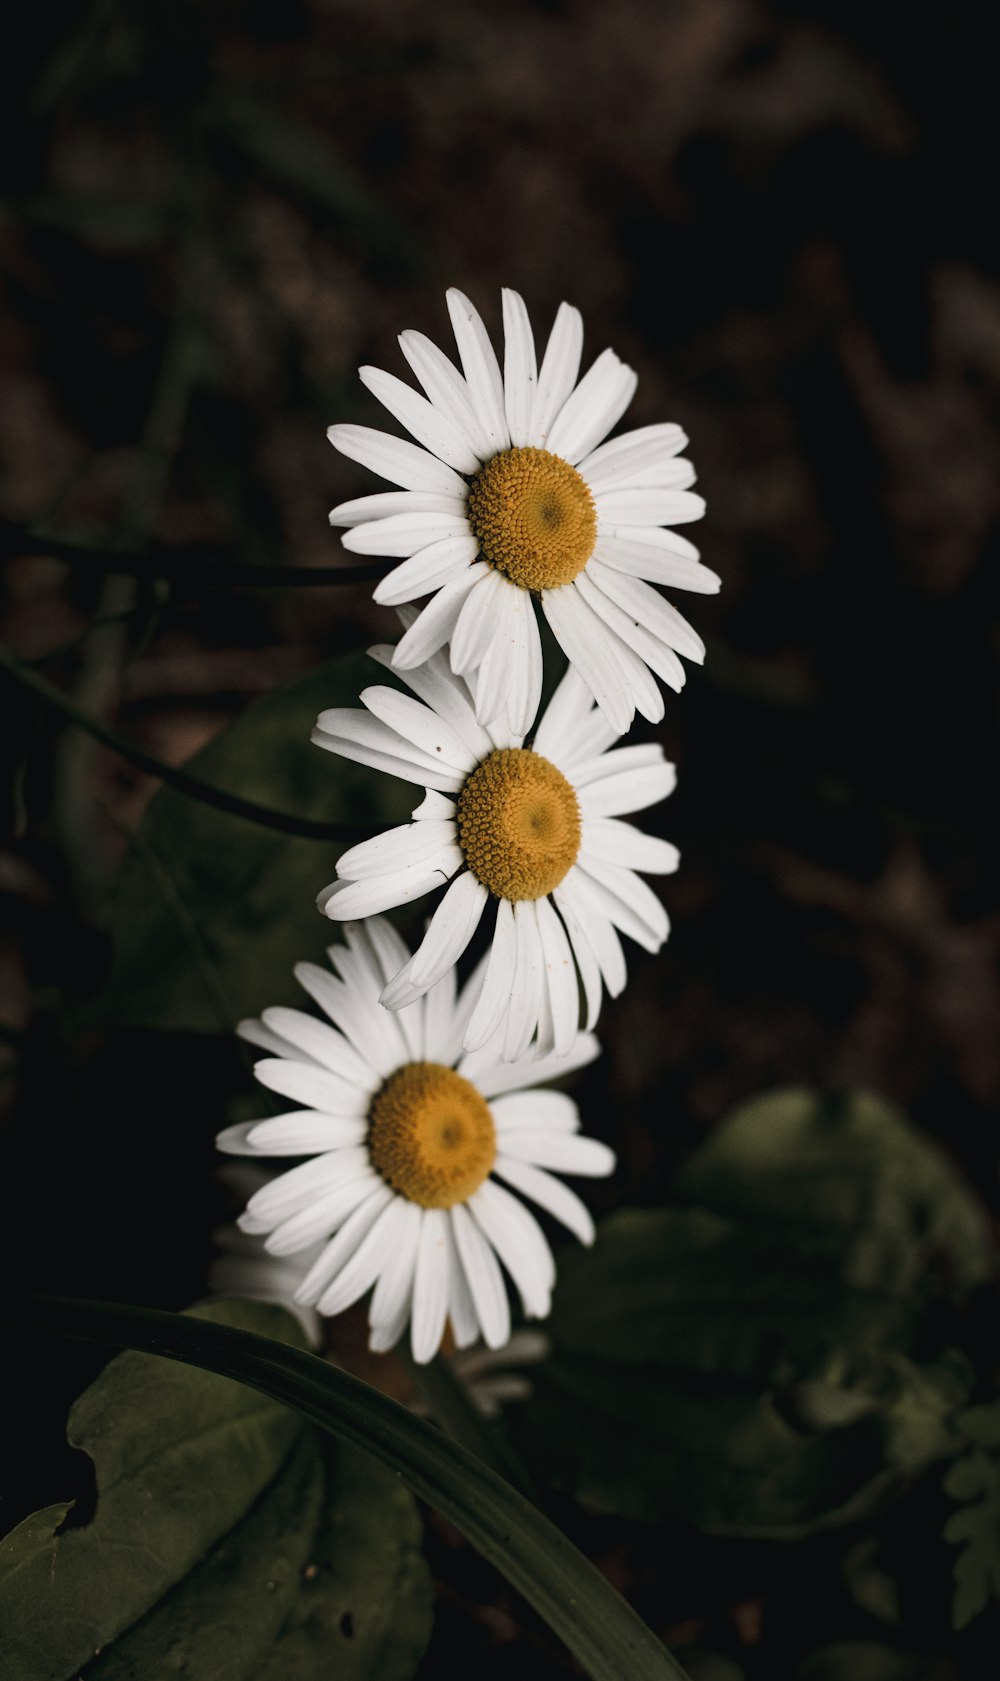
446,388
396,459
504,681
619,843
550,1194
451,928
404,534
630,453
642,603
428,570
583,641
476,624
584,954
514,1076
560,976
340,1248
302,1186
393,1290
626,788
361,1268
483,1276
420,725
388,503
635,506
534,1111
461,1308
320,1218
517,1238
590,924
482,370
586,1158
321,1043
630,904
639,560
304,1083
557,375
430,1286
498,986
410,845
361,735
305,1132
529,981
396,763
255,1033
436,622
635,673
442,1041
519,368
325,990
420,417
436,684
434,808
599,400
354,1007
397,887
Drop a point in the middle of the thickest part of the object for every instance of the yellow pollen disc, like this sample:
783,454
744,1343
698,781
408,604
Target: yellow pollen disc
431,1135
533,517
518,824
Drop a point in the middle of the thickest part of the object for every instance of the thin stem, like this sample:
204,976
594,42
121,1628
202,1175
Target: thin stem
172,775
194,566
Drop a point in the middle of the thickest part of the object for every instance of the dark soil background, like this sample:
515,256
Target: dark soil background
781,215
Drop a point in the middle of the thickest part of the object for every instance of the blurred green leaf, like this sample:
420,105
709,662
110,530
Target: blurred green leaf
226,1541
211,911
859,1660
749,1365
974,1481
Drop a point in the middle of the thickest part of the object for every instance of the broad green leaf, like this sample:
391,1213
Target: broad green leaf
748,1365
212,911
851,1170
324,1577
610,1642
227,1543
178,1457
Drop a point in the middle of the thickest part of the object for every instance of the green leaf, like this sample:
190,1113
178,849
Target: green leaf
605,1635
859,1660
974,1479
223,1536
747,1365
849,1170
212,911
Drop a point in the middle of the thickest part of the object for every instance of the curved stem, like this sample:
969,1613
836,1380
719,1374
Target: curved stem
196,565
173,775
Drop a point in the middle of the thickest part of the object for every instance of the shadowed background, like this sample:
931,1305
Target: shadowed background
211,216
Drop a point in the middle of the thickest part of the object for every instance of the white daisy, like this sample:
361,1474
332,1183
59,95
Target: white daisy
411,1148
531,836
510,494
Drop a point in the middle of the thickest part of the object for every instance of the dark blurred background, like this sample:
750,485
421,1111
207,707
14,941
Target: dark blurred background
780,215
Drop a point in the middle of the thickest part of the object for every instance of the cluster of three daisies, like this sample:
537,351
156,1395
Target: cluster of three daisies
419,1107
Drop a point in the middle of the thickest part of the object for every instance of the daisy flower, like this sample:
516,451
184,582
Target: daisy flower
242,1266
509,495
414,1154
531,836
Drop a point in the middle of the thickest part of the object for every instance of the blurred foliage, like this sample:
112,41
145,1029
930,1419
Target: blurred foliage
974,1481
776,1358
212,912
226,1540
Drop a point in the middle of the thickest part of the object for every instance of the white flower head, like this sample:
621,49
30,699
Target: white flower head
411,1148
531,837
509,495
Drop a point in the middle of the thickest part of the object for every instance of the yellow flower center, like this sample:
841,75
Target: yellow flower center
518,824
533,517
431,1135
